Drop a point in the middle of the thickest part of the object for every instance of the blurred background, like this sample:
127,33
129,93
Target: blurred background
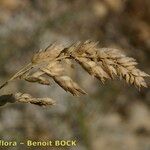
114,116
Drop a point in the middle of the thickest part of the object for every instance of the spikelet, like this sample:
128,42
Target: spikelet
36,77
102,63
69,85
125,67
49,54
25,98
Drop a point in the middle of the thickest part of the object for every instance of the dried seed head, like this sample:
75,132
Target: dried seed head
102,63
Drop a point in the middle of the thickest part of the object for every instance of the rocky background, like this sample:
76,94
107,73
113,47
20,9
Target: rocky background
114,116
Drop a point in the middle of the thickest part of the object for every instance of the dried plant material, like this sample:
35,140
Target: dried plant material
102,63
69,85
37,77
49,54
93,69
53,69
25,98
